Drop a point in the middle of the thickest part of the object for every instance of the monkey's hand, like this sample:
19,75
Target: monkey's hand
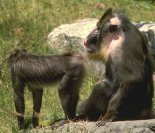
104,119
59,123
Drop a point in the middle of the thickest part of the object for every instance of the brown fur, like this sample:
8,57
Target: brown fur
39,71
126,92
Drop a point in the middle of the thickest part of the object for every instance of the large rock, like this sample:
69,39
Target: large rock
71,36
139,126
149,30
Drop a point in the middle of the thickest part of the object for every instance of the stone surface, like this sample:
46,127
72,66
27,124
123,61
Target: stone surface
139,126
149,30
71,36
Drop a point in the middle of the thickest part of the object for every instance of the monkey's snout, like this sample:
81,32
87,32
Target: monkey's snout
90,44
91,39
89,48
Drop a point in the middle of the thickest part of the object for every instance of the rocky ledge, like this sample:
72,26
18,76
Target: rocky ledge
72,36
138,126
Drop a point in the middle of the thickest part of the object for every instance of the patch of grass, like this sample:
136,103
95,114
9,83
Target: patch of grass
33,20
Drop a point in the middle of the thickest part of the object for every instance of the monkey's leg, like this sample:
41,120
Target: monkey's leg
69,93
113,105
68,96
37,102
19,102
69,90
97,102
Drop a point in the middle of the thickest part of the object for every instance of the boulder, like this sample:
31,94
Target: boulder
70,37
148,28
138,126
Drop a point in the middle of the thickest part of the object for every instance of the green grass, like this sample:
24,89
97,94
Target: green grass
33,20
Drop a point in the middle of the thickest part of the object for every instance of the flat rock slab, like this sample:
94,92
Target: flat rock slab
71,36
137,126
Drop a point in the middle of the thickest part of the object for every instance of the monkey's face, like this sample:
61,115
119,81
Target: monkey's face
107,37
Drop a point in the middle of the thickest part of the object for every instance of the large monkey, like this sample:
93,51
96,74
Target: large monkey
126,92
37,71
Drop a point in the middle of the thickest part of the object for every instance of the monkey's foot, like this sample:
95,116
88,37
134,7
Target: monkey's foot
59,123
103,120
39,127
79,118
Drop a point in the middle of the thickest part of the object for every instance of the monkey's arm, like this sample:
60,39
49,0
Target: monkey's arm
116,100
113,105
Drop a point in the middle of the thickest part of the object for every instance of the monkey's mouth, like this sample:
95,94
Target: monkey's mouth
90,44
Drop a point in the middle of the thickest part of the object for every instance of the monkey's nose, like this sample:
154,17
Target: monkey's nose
113,28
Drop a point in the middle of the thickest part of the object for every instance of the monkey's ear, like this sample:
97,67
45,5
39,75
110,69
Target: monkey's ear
106,15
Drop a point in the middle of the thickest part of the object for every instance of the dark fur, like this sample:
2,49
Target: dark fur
126,91
37,71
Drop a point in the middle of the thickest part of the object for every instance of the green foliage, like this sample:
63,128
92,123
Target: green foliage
33,20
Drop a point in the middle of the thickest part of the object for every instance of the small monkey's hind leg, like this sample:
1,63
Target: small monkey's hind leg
19,102
69,91
37,102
